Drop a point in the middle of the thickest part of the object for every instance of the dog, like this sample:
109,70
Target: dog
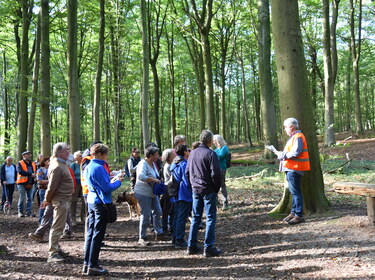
132,202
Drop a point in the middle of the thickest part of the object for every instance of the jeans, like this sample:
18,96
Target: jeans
7,194
97,225
42,193
23,193
60,214
181,213
149,204
294,183
223,188
208,202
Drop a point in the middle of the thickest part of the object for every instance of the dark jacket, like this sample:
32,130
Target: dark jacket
3,173
203,170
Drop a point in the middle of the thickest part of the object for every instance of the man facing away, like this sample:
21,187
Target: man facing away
203,172
25,181
59,191
294,161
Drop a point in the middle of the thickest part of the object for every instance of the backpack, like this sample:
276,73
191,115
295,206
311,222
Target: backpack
173,186
228,159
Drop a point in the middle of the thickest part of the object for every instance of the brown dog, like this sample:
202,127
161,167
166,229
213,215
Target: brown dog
132,202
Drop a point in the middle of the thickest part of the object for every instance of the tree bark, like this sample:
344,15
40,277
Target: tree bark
6,106
146,74
295,100
356,53
26,8
267,102
73,86
329,133
98,77
30,131
45,83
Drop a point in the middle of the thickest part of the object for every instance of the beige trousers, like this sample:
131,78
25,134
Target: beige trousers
60,212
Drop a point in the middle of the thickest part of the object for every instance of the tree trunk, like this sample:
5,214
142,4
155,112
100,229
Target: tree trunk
73,86
30,131
244,103
45,84
267,102
356,53
146,74
98,76
6,107
26,8
209,87
170,42
295,100
329,133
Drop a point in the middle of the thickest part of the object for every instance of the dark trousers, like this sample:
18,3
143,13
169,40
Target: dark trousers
96,227
7,194
181,213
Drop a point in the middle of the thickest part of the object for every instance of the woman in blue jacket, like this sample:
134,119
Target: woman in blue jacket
100,191
183,200
222,152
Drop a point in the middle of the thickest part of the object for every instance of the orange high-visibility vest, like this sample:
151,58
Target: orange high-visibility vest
302,161
21,179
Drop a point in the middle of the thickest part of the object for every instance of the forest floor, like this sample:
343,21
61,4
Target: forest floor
337,245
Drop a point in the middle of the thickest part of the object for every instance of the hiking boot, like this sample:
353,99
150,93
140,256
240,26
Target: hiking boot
36,237
55,258
289,217
296,220
91,271
66,235
180,244
62,253
212,252
142,242
192,250
160,237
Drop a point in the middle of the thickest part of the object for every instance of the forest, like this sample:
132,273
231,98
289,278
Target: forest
129,72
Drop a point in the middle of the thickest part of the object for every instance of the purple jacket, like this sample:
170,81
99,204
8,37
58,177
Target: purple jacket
203,170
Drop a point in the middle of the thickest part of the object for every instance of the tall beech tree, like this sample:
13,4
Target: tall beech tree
295,101
45,82
73,86
203,18
99,70
355,47
146,74
267,103
26,9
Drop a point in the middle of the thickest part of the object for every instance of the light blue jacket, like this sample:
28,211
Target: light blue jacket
222,155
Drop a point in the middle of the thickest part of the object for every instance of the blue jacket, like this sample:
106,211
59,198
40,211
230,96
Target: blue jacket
97,177
3,173
203,170
178,168
222,155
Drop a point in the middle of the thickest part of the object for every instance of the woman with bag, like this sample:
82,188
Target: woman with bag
98,199
147,176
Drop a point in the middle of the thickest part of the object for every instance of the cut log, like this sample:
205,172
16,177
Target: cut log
363,189
355,188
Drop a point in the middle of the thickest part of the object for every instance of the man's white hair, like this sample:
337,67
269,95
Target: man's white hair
291,122
58,147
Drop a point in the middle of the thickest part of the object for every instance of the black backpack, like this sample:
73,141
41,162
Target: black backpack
173,187
228,159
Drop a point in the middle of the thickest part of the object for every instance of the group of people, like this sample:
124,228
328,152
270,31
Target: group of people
193,179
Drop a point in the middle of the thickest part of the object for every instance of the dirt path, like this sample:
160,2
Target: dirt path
256,247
